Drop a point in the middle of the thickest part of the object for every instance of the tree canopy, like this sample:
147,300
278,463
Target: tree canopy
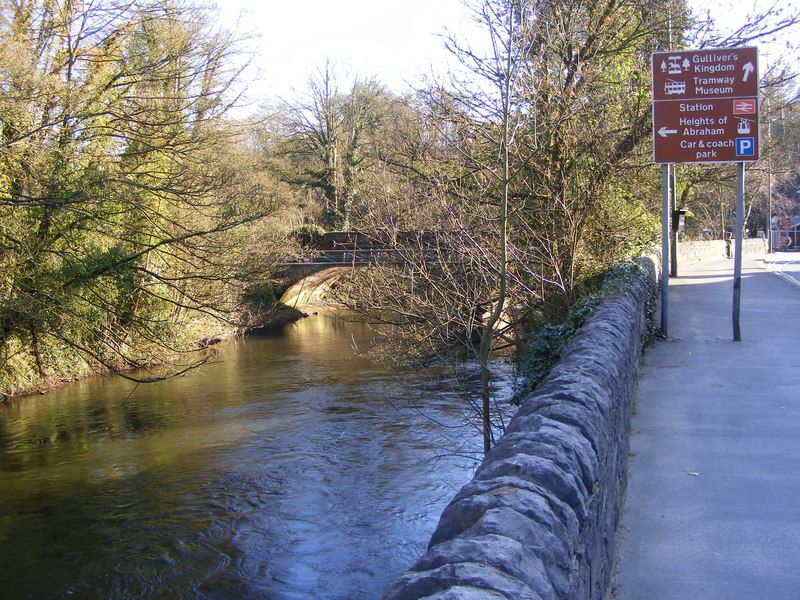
123,185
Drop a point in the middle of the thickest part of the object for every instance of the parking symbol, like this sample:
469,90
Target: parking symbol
745,146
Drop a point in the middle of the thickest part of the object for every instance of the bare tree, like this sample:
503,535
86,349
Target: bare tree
327,141
515,171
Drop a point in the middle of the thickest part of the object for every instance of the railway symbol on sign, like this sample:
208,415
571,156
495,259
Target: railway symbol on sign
744,107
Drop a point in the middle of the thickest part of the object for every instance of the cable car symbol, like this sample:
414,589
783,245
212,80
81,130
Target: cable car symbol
743,128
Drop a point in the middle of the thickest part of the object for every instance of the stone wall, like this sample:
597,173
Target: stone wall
538,520
695,252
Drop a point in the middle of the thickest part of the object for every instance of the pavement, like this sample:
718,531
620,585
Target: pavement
713,506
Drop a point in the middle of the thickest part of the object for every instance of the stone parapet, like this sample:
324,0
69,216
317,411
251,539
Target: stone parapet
538,520
696,252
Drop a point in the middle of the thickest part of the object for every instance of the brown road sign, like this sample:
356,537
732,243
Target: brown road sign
705,106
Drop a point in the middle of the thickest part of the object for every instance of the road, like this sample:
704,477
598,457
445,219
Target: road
785,265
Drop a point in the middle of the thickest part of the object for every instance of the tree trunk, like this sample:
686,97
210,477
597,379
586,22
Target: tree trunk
487,337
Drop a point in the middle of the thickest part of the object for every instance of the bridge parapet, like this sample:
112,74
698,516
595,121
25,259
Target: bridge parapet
332,252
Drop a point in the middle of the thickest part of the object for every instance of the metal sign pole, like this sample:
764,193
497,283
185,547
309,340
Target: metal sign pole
673,239
665,185
770,249
737,257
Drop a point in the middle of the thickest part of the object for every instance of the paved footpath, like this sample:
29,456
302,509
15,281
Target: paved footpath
713,507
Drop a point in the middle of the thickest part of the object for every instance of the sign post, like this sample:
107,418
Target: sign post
737,255
665,222
673,209
705,110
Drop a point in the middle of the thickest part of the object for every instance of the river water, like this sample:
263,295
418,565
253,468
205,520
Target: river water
292,467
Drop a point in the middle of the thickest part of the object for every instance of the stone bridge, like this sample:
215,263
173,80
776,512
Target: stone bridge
330,256
333,254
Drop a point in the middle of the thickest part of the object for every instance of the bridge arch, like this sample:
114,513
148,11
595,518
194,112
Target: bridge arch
334,253
313,288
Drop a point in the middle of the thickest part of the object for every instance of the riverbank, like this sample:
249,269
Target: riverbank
207,334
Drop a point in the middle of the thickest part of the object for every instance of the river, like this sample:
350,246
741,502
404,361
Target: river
291,467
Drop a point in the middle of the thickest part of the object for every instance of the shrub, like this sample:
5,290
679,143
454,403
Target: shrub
544,349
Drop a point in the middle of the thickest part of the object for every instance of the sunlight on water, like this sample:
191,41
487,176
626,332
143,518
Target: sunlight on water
289,468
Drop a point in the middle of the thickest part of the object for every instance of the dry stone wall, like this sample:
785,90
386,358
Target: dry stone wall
538,520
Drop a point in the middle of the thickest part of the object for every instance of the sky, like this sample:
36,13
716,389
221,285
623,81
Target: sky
395,41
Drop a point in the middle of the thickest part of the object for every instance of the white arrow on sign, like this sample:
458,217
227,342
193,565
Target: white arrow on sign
747,68
664,132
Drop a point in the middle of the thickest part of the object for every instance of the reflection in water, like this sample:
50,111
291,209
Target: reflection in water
283,470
